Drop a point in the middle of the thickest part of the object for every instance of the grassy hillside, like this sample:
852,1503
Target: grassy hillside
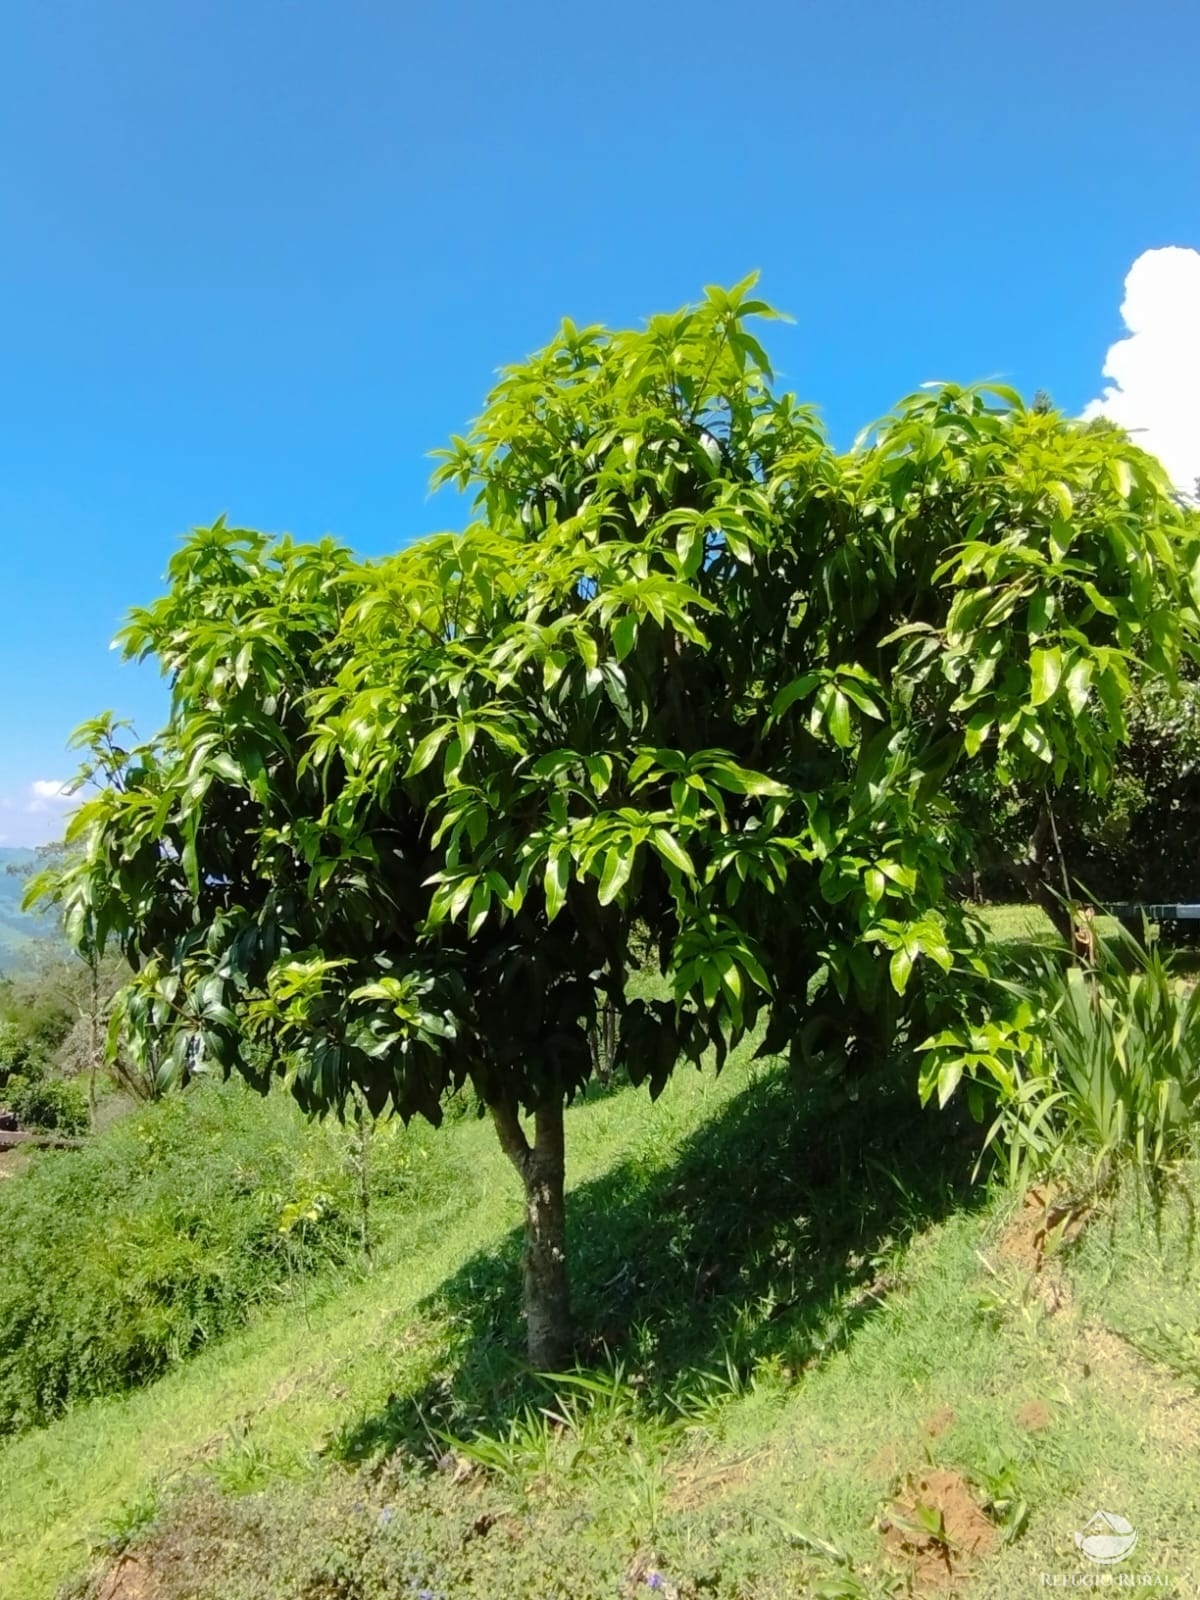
813,1369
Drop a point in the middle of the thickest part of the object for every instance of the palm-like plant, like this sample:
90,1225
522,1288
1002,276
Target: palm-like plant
1103,1058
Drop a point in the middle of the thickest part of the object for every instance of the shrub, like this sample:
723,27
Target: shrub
35,1014
48,1105
20,1056
1131,840
166,1232
1103,1061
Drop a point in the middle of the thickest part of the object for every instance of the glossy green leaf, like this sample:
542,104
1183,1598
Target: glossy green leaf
1045,673
558,876
672,851
618,864
900,969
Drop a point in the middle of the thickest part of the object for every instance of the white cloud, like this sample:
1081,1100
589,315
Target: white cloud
35,814
48,789
1155,372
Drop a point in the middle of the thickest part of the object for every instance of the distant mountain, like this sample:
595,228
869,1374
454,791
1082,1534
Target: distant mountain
19,930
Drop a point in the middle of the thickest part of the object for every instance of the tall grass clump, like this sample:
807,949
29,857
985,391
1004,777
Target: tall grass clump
1098,1062
169,1230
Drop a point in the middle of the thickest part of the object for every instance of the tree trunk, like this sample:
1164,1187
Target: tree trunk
548,1332
1035,873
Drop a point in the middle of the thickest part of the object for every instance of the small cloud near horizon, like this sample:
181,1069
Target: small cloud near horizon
45,791
1155,370
36,814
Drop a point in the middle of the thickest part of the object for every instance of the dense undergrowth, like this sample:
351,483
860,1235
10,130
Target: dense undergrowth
171,1229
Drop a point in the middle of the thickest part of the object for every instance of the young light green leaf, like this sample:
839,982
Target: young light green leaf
618,864
425,752
799,689
1045,674
624,635
837,719
671,850
558,875
1079,678
900,969
976,732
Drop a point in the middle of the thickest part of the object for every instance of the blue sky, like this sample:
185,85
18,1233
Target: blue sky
260,258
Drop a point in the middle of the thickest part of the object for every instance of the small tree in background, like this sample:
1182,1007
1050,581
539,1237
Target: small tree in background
690,672
1132,841
77,987
1130,838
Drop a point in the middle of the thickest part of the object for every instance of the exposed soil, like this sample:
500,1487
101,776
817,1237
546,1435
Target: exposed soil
1048,1218
885,1463
130,1579
702,1480
12,1161
937,1531
190,1541
1035,1415
941,1420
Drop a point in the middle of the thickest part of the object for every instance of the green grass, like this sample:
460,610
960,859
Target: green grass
293,1384
795,1309
1025,924
1017,924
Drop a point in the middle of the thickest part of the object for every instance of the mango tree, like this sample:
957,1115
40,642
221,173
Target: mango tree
689,673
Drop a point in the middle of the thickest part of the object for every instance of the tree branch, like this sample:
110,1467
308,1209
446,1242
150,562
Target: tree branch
511,1134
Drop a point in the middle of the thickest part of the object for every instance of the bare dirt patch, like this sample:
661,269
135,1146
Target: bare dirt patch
702,1480
885,1463
12,1162
1048,1218
937,1531
939,1423
1034,1415
188,1545
130,1579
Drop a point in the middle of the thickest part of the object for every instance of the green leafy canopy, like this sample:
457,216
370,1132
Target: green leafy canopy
689,672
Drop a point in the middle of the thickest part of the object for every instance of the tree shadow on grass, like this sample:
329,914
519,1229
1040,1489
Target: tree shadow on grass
769,1238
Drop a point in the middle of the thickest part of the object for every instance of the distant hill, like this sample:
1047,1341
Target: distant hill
19,930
